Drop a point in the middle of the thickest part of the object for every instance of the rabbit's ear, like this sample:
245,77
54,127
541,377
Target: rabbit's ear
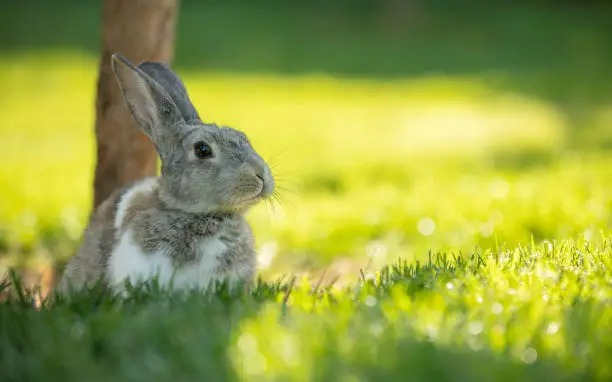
150,104
173,85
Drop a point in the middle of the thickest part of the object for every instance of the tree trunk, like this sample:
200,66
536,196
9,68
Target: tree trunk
140,30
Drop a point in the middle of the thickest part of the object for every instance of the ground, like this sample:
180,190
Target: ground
529,313
444,209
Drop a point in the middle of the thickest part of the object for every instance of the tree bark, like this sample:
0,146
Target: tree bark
140,30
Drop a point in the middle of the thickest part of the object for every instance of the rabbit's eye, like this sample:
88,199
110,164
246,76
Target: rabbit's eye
202,150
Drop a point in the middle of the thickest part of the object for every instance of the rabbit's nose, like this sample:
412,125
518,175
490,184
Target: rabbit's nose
258,168
257,172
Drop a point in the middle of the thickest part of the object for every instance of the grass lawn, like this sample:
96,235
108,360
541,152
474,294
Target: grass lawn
364,167
537,313
445,198
454,178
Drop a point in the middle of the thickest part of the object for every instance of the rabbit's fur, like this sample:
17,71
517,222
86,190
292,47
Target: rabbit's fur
186,228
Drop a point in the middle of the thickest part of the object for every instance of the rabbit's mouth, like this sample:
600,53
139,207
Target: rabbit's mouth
243,204
249,199
254,199
255,193
264,190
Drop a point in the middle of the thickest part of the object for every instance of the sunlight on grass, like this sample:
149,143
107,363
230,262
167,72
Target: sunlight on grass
444,215
528,313
512,302
405,166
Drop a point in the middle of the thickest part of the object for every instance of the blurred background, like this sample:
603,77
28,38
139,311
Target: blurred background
396,128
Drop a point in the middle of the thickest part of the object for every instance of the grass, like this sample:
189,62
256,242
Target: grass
372,132
406,166
445,204
424,197
529,313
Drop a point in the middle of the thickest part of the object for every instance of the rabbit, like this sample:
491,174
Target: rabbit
185,228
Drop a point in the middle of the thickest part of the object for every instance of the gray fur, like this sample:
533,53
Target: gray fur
89,264
162,73
150,104
178,233
193,197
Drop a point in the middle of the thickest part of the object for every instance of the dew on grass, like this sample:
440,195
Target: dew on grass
247,343
474,343
376,329
376,248
475,328
549,246
370,301
431,331
426,226
288,350
499,188
487,229
373,217
267,253
29,219
553,328
497,308
530,355
588,234
254,362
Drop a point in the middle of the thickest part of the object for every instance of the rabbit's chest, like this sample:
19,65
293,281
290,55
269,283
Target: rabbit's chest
130,261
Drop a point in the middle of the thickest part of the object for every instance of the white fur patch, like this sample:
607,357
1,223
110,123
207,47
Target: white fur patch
147,185
128,261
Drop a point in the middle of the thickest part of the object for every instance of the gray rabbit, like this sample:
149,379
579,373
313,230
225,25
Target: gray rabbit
186,228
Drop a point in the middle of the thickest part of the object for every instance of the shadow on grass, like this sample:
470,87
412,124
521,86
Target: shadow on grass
95,336
154,337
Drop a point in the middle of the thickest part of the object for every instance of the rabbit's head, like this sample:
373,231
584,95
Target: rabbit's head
205,168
